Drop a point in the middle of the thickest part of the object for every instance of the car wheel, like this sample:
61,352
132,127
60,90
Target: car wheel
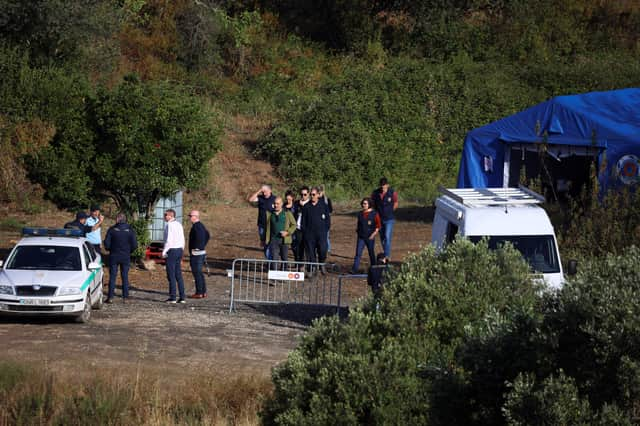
98,305
85,316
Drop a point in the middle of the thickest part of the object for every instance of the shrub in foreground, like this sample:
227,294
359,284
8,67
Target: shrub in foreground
466,337
377,367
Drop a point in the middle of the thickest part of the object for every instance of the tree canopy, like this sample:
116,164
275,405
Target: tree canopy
135,143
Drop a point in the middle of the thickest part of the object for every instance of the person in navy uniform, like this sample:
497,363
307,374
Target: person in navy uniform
198,239
316,221
385,202
377,273
121,242
265,200
367,228
81,224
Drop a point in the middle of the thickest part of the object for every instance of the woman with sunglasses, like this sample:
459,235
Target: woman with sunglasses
298,246
368,226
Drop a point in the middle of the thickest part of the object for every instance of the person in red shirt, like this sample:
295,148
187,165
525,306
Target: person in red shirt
367,228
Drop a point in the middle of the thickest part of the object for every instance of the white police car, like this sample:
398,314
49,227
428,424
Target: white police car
52,272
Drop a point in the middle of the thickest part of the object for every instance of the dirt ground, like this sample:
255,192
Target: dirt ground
185,340
201,335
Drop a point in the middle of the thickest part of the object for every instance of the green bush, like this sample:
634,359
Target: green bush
557,402
405,121
376,367
465,337
141,141
596,226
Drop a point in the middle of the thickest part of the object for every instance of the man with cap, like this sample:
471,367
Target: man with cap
121,242
385,201
95,218
81,224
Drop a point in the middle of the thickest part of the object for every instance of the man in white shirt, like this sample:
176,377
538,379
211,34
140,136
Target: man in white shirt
172,252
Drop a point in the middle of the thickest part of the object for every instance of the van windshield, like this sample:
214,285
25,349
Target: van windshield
538,250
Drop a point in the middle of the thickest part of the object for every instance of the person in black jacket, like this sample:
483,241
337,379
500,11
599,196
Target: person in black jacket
81,224
377,273
316,221
121,242
367,228
385,202
198,239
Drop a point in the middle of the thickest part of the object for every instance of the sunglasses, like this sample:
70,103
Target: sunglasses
314,195
304,194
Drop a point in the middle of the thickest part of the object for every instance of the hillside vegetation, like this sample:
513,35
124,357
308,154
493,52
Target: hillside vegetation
349,90
128,100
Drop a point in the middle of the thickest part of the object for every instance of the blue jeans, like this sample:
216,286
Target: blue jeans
197,262
124,276
386,236
262,232
360,245
174,273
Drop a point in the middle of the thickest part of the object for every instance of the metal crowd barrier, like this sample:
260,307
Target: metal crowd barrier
276,282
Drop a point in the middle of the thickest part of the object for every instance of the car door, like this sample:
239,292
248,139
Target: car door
90,255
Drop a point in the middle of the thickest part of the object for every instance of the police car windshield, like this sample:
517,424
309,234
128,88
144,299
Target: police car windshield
538,250
50,258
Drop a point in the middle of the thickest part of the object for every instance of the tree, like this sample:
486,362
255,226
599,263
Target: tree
141,141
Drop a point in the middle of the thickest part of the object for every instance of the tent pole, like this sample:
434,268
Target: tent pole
505,167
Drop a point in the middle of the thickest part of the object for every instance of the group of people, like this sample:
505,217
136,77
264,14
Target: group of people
300,224
121,242
304,224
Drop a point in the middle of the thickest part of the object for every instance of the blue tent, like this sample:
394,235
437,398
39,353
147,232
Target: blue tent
602,124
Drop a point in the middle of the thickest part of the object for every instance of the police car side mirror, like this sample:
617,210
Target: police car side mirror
572,267
93,266
1,263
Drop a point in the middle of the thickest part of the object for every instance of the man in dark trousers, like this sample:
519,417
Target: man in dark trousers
316,221
121,242
299,249
385,201
198,239
265,200
376,274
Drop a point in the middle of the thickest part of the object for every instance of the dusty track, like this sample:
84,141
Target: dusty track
183,340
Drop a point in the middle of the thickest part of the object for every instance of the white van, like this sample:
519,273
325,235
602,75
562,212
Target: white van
500,215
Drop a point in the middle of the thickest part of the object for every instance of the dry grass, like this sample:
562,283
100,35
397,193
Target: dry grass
44,397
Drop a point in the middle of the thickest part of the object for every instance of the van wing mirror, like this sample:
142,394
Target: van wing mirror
572,267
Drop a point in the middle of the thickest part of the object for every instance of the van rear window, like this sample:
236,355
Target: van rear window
538,250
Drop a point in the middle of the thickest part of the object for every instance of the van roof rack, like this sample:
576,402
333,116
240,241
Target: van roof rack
493,196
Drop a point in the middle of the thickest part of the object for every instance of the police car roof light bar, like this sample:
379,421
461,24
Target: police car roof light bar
39,232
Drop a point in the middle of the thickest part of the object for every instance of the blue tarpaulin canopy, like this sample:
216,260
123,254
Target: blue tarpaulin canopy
606,124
